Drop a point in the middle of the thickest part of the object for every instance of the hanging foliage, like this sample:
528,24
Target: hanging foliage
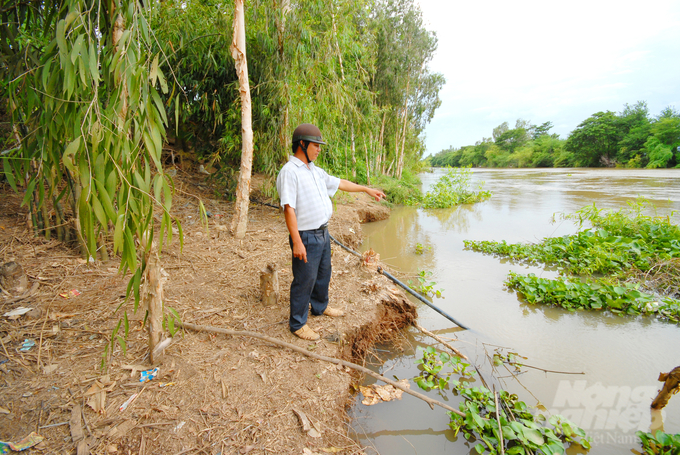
90,127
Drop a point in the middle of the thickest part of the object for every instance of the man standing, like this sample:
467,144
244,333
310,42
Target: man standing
305,192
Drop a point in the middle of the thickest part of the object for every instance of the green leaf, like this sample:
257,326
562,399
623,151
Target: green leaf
98,210
9,175
177,115
161,79
106,201
118,234
29,191
159,104
61,39
71,150
77,48
153,72
167,196
533,436
126,324
123,345
181,235
93,65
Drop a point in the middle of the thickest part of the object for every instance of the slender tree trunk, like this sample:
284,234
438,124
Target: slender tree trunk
381,148
400,163
396,147
337,47
239,222
284,138
118,29
389,168
354,157
368,167
153,296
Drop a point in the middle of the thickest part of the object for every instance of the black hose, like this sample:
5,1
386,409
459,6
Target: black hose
422,299
407,289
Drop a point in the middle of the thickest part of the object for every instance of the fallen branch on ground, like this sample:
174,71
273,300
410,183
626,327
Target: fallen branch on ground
354,366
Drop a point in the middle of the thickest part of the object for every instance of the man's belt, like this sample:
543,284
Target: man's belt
323,227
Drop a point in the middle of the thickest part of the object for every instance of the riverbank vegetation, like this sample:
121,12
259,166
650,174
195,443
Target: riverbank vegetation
631,138
359,70
624,262
451,189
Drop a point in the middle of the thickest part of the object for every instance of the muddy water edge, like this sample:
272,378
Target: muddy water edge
621,357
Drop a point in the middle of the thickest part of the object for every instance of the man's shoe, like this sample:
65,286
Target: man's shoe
306,333
333,312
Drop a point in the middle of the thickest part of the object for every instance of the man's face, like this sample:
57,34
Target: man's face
313,151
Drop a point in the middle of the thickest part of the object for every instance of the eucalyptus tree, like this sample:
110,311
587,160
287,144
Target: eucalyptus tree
404,86
239,221
89,128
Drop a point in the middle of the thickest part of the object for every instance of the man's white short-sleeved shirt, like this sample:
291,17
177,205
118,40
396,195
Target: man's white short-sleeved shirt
308,191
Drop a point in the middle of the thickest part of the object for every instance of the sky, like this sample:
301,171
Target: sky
548,61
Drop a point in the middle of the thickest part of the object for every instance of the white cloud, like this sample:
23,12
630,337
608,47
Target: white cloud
546,61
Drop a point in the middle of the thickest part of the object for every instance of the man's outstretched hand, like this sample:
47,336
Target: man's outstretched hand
376,194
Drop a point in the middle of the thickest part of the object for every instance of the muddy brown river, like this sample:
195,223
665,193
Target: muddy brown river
620,356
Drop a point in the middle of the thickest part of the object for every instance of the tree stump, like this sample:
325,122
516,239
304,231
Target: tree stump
670,387
269,285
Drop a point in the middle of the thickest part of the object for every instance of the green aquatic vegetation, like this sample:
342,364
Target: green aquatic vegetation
453,189
437,368
420,248
623,245
424,285
659,443
520,432
630,222
511,427
592,251
616,242
573,294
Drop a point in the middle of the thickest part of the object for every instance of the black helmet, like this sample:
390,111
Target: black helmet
307,132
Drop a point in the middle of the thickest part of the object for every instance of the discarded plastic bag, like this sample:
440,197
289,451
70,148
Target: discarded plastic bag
17,312
29,441
148,375
71,293
27,345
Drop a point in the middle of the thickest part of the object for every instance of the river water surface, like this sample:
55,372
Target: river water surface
620,356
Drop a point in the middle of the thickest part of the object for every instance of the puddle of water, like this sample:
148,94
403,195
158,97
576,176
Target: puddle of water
620,356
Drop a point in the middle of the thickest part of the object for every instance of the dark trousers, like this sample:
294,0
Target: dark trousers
311,278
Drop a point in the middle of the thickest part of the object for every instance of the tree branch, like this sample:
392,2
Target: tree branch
354,366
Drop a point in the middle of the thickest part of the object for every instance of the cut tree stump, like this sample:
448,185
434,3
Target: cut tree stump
670,387
269,285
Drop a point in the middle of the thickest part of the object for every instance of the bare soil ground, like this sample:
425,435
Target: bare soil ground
213,394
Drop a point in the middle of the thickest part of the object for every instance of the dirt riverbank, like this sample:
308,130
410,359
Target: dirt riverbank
213,393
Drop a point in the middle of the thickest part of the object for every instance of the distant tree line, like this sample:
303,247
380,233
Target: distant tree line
630,138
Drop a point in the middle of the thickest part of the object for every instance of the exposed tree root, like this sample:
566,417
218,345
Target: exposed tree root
670,387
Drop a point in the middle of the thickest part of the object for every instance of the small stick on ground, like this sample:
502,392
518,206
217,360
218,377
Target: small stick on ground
439,339
428,400
42,331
